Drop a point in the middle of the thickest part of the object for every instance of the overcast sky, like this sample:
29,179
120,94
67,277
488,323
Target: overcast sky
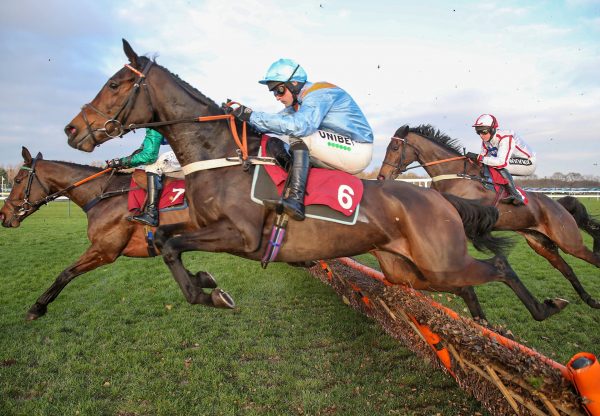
534,64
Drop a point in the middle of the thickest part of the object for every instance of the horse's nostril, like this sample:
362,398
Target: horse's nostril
70,130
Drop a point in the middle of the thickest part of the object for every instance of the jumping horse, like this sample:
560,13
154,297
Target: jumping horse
416,234
546,224
104,198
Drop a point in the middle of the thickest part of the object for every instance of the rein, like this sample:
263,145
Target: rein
422,165
119,128
27,206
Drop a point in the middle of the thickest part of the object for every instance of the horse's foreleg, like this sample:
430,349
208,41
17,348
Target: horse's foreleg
90,260
498,269
217,237
164,232
468,294
547,249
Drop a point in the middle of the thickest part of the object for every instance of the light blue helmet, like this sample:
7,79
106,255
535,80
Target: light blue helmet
285,70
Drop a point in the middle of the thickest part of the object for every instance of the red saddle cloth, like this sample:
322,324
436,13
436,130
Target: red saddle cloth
172,194
499,180
336,189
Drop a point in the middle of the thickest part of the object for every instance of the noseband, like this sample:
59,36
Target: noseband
113,127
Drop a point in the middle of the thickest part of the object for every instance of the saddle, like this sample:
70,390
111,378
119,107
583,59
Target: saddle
331,195
493,181
172,195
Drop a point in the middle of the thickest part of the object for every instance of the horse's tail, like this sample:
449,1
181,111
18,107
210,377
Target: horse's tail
584,221
478,222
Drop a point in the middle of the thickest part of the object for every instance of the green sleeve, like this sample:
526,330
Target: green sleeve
148,151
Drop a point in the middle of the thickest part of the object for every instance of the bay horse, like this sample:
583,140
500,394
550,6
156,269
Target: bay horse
416,234
105,200
546,224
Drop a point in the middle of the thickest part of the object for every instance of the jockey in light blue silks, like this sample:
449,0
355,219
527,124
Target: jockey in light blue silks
155,166
320,121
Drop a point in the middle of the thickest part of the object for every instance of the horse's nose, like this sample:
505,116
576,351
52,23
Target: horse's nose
70,131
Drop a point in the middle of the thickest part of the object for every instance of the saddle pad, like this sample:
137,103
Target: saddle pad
264,188
171,195
334,188
498,179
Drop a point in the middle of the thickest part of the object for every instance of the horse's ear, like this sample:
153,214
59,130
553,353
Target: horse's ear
26,155
401,132
39,156
130,53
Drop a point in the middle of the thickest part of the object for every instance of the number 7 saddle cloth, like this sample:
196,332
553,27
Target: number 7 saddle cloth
172,194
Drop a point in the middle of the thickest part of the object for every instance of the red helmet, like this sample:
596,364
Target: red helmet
486,120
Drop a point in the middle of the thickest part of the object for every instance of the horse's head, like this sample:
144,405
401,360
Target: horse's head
122,101
26,188
398,155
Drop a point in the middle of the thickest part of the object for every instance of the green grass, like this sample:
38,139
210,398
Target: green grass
121,340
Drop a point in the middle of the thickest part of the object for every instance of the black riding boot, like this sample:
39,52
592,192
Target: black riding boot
293,205
277,149
150,214
510,186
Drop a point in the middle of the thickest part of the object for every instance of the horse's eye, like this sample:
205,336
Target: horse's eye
17,181
395,148
113,85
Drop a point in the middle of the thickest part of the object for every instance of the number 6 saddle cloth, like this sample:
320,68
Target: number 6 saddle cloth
172,195
331,195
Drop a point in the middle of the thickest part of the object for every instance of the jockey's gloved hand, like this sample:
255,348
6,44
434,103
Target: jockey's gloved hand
242,113
226,107
472,156
115,164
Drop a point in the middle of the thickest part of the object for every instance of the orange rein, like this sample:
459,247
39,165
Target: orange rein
89,178
450,159
241,143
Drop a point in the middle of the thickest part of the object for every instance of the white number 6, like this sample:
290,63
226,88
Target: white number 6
345,194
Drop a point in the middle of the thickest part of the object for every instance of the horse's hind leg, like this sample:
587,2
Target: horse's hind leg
539,311
90,260
547,249
399,269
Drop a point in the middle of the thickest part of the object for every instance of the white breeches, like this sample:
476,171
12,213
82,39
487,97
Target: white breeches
166,162
334,151
521,167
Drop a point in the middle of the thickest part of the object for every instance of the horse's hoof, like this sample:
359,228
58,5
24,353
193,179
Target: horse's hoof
558,303
592,303
35,312
221,299
206,280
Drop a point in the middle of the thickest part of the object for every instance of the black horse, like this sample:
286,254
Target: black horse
416,234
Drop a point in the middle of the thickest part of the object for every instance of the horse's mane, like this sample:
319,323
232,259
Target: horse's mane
431,133
191,90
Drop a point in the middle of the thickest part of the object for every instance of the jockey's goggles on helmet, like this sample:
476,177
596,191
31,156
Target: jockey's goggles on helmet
481,131
279,90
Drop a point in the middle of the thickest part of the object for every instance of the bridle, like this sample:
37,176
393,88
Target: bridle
119,127
396,141
20,211
113,126
27,207
404,141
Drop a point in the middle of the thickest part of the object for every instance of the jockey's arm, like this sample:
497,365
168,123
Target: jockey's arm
505,148
148,151
300,123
